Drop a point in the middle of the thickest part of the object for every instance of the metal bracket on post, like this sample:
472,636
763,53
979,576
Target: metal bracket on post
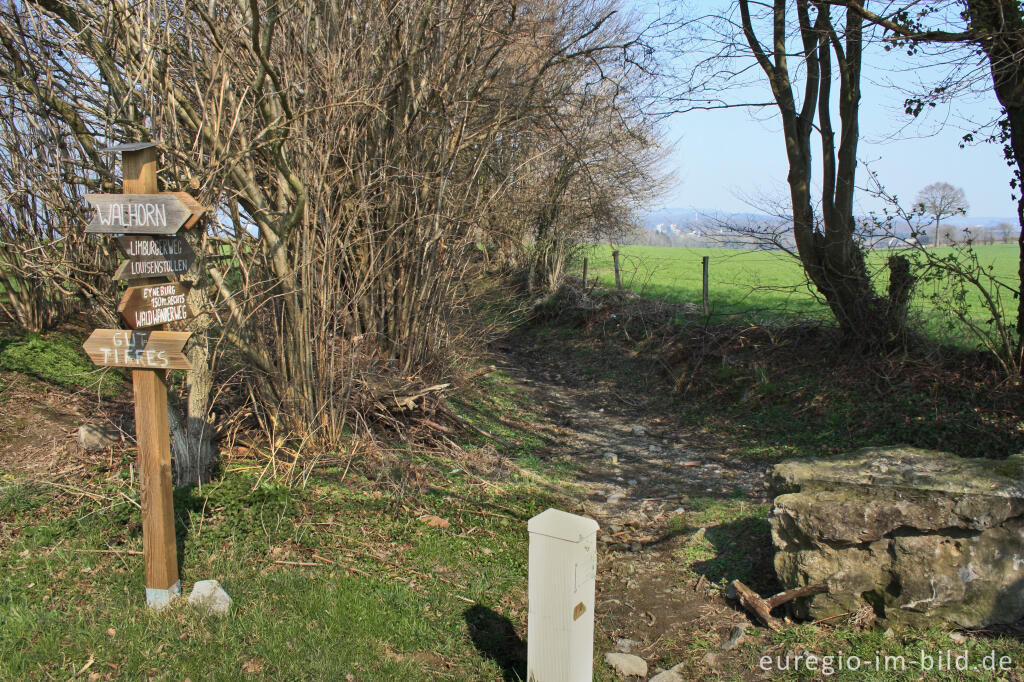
157,599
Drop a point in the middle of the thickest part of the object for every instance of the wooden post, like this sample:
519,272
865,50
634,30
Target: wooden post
159,545
618,276
707,303
585,264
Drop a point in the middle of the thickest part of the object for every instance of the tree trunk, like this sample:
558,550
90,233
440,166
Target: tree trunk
192,451
1002,22
828,252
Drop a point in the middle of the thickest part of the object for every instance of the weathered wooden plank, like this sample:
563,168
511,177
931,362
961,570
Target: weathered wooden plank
154,256
198,210
151,429
154,304
138,349
141,213
129,147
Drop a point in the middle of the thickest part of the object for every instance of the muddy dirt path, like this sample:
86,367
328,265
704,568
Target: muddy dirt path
641,470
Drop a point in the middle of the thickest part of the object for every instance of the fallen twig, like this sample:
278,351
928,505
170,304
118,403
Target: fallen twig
762,608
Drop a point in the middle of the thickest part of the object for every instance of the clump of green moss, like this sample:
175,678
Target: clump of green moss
59,360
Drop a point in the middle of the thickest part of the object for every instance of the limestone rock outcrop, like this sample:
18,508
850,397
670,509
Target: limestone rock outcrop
920,535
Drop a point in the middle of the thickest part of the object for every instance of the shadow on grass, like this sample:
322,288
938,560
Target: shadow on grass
742,551
495,638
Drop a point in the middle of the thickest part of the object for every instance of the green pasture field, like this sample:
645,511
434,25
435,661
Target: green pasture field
770,286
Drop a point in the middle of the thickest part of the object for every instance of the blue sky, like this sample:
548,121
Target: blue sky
722,156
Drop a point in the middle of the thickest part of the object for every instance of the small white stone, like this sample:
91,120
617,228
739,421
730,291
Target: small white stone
667,676
96,437
210,595
625,645
626,665
639,431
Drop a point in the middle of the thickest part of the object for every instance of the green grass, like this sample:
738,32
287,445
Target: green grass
386,597
770,286
63,603
58,358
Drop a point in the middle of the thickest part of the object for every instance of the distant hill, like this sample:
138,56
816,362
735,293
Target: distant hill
681,226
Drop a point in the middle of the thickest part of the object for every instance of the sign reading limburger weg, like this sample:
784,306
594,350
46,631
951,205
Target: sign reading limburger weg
155,256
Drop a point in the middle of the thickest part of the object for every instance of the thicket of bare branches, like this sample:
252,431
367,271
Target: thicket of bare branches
354,154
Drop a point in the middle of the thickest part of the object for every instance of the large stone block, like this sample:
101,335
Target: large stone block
920,535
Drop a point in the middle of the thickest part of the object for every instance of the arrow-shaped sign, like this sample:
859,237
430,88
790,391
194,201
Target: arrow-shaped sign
138,350
150,305
155,256
143,213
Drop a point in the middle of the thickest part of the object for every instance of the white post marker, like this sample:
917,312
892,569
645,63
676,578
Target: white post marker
563,568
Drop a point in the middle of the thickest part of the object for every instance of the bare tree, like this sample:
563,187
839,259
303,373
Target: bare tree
352,152
829,49
941,199
996,28
1005,231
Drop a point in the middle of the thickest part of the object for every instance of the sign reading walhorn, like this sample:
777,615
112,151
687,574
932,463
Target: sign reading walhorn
150,305
143,213
154,256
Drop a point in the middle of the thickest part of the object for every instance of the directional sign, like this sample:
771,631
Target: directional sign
148,306
154,256
138,350
143,213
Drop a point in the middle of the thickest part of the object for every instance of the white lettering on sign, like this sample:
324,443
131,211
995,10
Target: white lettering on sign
154,247
151,318
157,267
132,215
129,349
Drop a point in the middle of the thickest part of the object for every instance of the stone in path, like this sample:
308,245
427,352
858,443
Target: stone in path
210,595
626,665
667,676
735,637
95,437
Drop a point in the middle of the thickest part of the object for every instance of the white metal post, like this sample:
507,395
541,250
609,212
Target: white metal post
563,568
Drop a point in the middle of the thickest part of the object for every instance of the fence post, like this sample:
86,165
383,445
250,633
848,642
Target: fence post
707,303
563,569
618,276
586,262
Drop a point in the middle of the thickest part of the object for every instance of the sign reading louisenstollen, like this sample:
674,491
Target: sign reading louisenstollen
148,306
143,213
154,256
138,350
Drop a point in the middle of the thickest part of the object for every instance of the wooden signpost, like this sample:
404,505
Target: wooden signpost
155,304
142,213
138,350
154,256
142,210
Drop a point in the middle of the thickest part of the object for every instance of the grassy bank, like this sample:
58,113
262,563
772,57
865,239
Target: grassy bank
389,563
